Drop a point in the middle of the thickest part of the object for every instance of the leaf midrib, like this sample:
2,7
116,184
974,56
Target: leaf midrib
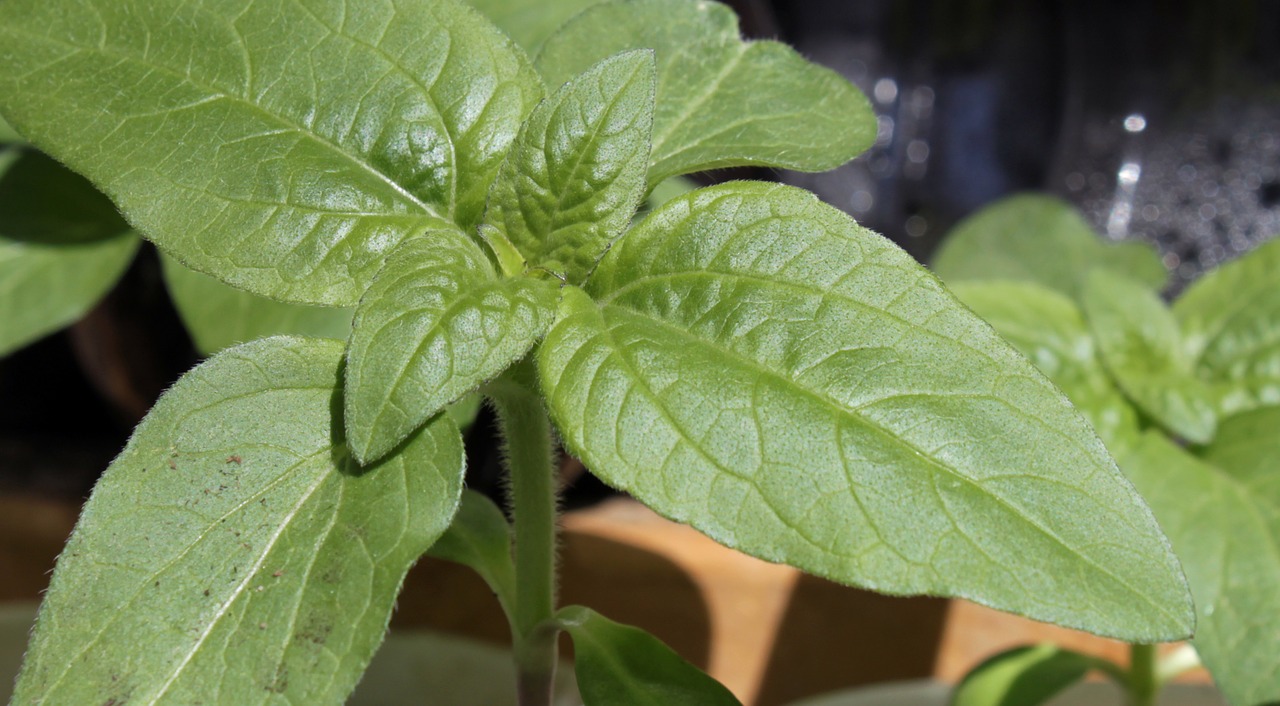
579,158
233,596
824,294
890,435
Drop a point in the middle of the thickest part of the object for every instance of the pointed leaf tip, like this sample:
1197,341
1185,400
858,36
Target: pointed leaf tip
854,420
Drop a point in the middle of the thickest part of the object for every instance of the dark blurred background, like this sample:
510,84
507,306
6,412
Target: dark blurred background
1160,120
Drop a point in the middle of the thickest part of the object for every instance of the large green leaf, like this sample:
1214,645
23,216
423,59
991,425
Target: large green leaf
530,22
721,102
576,173
233,553
284,146
619,665
62,246
1023,676
762,368
1223,516
1041,239
1231,325
219,316
1050,330
435,325
1142,348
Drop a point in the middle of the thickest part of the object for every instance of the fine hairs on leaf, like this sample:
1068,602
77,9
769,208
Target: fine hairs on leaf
443,218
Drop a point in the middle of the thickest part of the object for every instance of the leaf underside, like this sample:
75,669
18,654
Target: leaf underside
62,247
233,553
435,325
1222,514
287,168
760,367
721,102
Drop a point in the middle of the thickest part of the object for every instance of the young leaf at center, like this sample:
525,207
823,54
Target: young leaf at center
435,324
721,101
757,365
576,172
233,553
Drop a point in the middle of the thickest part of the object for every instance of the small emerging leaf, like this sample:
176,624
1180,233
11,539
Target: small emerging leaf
1049,328
219,316
62,247
1223,516
1231,323
1023,676
757,365
1142,348
576,172
434,325
233,553
282,146
1042,239
480,537
619,665
721,102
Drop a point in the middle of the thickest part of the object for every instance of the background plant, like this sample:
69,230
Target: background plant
1185,397
745,359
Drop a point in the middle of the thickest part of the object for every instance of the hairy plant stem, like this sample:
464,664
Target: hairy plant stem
1144,683
529,459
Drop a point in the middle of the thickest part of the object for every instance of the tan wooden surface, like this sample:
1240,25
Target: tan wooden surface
767,631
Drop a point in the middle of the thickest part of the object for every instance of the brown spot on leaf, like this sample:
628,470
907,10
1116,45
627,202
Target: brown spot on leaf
234,459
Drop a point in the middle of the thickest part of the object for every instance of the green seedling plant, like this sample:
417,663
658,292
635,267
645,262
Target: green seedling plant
743,358
1186,397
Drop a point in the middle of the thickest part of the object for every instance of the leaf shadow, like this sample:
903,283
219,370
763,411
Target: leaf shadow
835,637
44,203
